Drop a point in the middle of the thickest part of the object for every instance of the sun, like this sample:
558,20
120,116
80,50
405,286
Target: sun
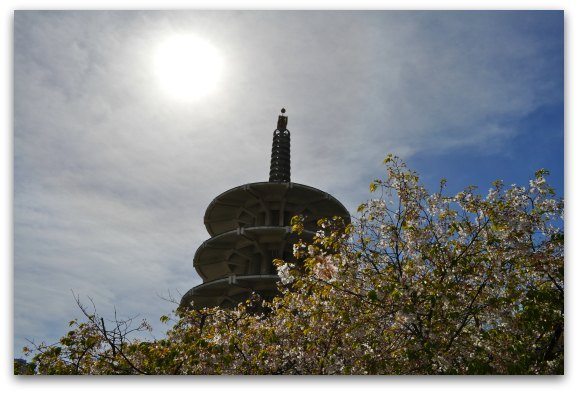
187,67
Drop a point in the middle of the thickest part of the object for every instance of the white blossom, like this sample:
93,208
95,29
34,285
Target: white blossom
284,273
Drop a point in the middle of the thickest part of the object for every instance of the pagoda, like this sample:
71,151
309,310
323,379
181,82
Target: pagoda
250,226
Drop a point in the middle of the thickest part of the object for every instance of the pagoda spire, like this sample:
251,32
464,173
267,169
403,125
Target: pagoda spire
280,171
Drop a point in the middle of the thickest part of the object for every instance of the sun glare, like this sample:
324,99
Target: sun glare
187,67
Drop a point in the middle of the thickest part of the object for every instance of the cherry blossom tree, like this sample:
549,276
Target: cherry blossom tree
419,283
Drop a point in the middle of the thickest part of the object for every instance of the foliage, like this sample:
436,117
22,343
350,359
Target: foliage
420,283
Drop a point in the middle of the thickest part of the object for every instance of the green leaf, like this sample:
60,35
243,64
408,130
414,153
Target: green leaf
372,295
388,158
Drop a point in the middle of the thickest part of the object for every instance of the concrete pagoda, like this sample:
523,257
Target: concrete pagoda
250,226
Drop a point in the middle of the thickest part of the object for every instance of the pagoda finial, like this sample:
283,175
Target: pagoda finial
282,121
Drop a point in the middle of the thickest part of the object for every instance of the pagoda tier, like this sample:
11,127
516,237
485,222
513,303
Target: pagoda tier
228,292
245,251
270,204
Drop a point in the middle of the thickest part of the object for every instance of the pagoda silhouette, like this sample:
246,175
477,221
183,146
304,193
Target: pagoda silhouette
250,226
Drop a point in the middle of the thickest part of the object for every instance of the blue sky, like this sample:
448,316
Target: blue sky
112,175
538,144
